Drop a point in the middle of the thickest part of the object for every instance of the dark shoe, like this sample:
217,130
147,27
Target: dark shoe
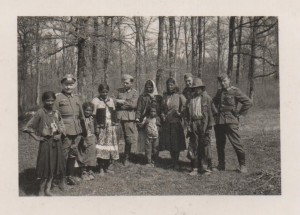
71,180
218,168
243,169
176,167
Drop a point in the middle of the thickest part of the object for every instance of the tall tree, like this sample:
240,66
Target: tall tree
219,45
37,62
160,45
239,46
230,45
186,42
171,47
199,40
194,46
137,23
95,51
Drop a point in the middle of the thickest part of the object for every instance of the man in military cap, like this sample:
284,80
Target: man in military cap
227,120
187,91
200,122
125,99
69,105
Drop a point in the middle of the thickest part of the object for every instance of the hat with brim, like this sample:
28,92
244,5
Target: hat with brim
68,79
197,83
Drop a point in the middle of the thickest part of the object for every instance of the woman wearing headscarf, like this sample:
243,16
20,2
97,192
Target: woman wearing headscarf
172,134
148,100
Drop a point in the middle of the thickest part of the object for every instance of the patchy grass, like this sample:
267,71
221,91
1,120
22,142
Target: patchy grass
260,133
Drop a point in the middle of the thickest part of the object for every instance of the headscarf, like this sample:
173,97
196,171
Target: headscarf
155,92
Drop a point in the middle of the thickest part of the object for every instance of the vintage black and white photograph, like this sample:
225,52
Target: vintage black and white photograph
148,105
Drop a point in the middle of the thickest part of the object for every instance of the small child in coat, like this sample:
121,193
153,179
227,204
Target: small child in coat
46,126
87,149
152,125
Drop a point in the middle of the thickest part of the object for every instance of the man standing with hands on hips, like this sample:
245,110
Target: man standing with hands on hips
125,99
227,121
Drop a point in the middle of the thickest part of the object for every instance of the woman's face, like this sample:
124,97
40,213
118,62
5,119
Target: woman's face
48,103
149,88
170,87
103,94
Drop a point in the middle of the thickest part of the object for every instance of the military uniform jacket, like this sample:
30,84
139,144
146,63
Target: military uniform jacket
187,92
226,101
126,111
70,109
207,108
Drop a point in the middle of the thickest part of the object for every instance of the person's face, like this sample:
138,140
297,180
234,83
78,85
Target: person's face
170,87
68,87
88,112
189,81
149,88
225,83
198,91
104,94
48,103
153,113
127,84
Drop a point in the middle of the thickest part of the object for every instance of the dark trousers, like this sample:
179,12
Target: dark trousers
70,151
199,150
130,136
231,131
151,149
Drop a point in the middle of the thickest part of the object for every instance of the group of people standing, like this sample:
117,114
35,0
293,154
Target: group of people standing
73,134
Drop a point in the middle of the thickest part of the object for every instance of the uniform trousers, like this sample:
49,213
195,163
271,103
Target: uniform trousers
231,131
130,136
70,152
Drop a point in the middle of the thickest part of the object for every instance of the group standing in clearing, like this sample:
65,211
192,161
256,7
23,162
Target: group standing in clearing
82,136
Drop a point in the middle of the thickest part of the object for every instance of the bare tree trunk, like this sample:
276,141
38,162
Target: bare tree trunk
160,54
199,37
230,48
120,46
194,48
171,45
177,35
186,43
95,54
106,50
81,62
219,45
277,51
237,74
167,45
137,50
204,48
37,51
252,58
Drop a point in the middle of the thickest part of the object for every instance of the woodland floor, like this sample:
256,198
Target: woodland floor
260,132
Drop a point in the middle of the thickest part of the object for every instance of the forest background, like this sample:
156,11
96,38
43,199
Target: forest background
99,49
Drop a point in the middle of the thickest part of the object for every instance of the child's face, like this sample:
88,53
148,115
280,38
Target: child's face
104,94
88,112
68,87
48,103
153,113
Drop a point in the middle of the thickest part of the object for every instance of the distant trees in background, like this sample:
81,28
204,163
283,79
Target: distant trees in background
101,48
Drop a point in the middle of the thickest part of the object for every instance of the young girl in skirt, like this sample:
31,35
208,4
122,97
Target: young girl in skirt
47,127
87,149
106,147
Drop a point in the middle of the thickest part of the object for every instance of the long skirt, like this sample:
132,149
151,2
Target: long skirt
107,145
50,160
172,137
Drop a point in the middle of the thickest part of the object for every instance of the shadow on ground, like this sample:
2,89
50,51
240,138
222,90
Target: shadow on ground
28,185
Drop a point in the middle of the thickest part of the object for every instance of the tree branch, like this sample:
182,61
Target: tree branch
258,57
266,75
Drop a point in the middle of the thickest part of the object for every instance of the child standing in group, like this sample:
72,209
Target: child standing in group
107,147
47,127
152,125
87,149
